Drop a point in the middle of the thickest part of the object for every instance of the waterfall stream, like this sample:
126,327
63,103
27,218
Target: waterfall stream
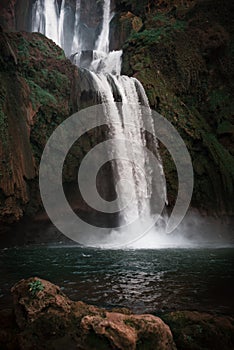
45,19
134,179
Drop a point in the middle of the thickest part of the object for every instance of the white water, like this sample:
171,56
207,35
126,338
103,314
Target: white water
102,43
61,23
45,19
108,65
123,170
133,178
76,44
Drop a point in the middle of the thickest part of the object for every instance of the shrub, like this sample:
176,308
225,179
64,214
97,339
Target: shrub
35,287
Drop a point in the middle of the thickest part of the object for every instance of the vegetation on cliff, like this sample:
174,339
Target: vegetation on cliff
36,95
183,55
182,52
40,88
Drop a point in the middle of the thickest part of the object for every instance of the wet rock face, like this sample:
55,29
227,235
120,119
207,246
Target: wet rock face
47,319
183,56
182,52
122,26
31,91
40,88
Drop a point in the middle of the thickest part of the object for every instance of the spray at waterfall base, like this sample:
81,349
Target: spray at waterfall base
138,173
137,188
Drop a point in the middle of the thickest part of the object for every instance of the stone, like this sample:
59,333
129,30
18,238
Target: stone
29,307
194,330
128,332
48,319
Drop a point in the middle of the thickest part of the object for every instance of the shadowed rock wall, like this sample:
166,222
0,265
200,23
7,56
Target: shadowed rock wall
182,52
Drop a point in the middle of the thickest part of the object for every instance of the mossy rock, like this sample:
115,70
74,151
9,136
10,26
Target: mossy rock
201,331
189,81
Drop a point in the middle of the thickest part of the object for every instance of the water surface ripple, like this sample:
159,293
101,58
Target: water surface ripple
143,280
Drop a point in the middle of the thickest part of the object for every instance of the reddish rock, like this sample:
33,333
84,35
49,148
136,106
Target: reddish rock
30,103
29,307
194,330
39,89
127,332
47,319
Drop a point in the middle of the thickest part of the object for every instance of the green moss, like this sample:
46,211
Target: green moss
170,22
218,98
45,46
221,103
39,96
155,33
225,128
3,118
223,159
3,128
53,80
23,47
161,17
148,36
58,81
186,86
41,45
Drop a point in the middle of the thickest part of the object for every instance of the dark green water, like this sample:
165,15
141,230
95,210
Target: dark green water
143,280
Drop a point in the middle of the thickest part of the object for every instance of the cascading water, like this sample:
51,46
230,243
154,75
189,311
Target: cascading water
45,19
102,44
75,41
136,177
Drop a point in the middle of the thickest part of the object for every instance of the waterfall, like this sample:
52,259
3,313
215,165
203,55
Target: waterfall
102,44
125,124
61,22
45,19
76,44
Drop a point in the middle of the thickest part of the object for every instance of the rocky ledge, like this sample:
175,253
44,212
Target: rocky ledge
45,318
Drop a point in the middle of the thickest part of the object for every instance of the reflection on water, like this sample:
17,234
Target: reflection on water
144,280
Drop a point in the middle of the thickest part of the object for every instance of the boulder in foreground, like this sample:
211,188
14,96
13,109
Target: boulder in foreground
48,319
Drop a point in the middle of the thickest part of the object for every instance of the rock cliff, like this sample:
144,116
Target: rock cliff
183,55
44,317
182,52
